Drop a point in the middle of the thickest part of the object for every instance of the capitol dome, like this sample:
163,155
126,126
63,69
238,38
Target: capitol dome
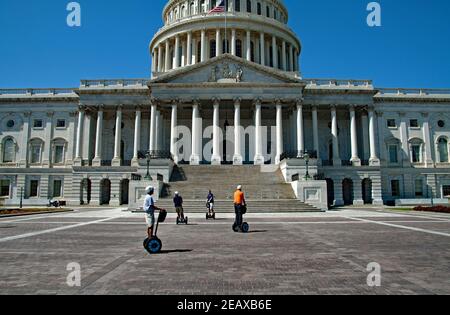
195,31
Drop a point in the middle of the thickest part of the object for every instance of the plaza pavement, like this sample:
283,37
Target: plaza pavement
309,253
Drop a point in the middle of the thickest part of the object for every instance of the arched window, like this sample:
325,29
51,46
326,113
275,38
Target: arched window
9,151
443,150
259,9
212,48
239,48
35,151
183,11
249,6
202,6
268,11
237,5
192,8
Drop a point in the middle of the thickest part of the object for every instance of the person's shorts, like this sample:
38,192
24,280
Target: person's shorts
179,209
150,219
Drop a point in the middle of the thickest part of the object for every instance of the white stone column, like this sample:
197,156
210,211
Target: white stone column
249,47
237,158
259,158
80,129
117,161
374,160
315,126
233,42
137,136
335,137
291,57
427,139
283,51
47,153
167,57
279,128
174,132
300,130
404,139
99,139
183,54
152,144
189,49
26,138
354,138
160,58
158,131
262,43
195,51
195,157
176,63
203,46
275,52
216,158
218,43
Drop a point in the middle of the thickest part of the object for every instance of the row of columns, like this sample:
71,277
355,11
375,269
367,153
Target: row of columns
288,51
156,122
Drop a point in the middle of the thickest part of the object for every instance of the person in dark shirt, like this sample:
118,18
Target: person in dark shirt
178,203
210,202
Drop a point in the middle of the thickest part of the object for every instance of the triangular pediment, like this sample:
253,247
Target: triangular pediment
226,69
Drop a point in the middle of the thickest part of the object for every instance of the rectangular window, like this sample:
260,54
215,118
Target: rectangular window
57,188
38,123
414,123
419,188
61,123
393,154
446,191
4,188
59,154
35,154
395,188
415,150
391,123
34,187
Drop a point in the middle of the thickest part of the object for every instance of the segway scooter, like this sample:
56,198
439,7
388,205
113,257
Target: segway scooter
245,227
210,214
182,221
154,244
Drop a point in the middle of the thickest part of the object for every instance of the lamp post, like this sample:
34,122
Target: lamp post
306,157
148,155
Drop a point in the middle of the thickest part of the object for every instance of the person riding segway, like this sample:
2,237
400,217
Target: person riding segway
210,206
240,208
178,203
152,243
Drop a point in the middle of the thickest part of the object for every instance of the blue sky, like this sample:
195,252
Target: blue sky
411,49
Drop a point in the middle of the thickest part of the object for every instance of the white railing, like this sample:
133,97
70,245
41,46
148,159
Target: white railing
419,92
338,83
38,92
115,82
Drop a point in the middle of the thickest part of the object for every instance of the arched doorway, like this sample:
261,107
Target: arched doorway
367,191
347,191
85,191
124,191
105,192
330,191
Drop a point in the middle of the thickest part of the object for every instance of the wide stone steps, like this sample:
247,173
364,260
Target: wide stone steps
254,206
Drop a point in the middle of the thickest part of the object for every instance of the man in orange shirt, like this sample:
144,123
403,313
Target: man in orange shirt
239,205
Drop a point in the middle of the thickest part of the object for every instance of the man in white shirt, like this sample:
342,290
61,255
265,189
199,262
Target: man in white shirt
149,208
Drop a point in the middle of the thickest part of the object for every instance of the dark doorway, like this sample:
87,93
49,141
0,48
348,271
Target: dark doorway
367,191
347,191
330,191
85,191
105,192
124,191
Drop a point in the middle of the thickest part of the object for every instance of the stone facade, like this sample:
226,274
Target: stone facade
246,105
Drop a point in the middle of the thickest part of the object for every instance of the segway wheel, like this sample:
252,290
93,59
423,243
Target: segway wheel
186,221
235,228
245,227
154,245
207,217
214,216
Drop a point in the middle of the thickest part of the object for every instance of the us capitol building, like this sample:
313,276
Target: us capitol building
225,91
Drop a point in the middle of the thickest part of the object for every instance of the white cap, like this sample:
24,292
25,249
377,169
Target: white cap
177,193
149,189
239,187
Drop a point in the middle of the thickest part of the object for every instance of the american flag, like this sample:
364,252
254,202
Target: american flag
218,8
